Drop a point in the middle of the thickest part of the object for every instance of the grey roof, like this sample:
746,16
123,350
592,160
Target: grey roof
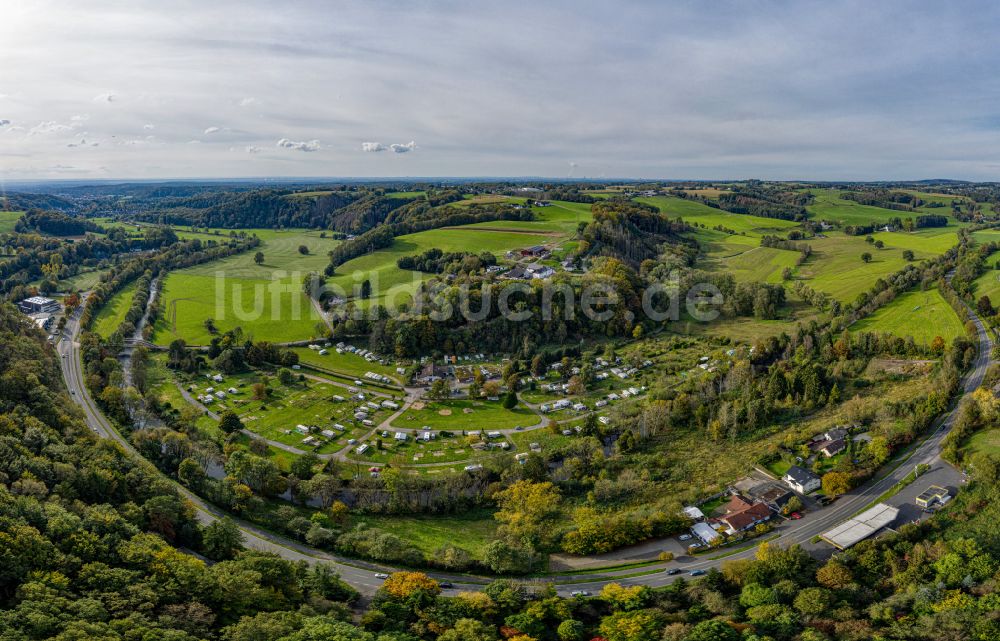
800,475
861,527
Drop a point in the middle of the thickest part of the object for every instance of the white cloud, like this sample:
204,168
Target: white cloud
105,97
80,118
253,149
373,146
212,130
402,149
49,127
4,122
307,145
149,127
248,101
83,143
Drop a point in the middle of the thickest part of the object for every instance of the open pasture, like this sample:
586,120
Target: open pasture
392,285
695,212
920,314
266,300
7,220
113,313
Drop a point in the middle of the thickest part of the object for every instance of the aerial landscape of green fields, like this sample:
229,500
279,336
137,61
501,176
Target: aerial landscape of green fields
499,321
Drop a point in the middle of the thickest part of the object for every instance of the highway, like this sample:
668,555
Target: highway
362,575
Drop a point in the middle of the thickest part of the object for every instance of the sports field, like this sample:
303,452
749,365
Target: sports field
266,300
113,313
920,314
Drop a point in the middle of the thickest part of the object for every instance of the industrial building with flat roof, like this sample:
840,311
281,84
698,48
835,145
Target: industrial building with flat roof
861,526
37,305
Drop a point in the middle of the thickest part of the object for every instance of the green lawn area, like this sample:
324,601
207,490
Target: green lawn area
985,441
81,282
113,313
265,300
920,314
471,531
405,194
465,415
8,219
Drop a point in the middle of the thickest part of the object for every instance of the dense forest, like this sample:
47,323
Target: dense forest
55,223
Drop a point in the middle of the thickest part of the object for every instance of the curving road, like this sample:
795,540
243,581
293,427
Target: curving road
362,575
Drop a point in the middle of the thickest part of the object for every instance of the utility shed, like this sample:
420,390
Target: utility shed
861,526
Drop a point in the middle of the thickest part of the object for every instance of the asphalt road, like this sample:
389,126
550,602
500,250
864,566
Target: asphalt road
362,577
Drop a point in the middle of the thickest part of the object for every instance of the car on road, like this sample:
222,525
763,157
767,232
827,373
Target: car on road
381,575
445,585
684,537
579,593
696,572
795,516
673,571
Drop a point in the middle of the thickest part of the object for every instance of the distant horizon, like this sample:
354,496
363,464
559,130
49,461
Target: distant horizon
842,91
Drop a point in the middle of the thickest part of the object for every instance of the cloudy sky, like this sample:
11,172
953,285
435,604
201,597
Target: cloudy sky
670,89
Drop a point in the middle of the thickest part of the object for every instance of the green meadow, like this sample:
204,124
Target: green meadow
393,286
695,212
265,300
113,313
7,220
918,314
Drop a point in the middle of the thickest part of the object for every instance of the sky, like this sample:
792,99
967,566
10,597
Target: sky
827,90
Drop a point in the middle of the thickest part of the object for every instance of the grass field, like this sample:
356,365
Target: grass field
465,415
695,212
113,313
828,205
393,286
82,281
985,441
471,531
7,220
920,314
988,284
265,300
836,268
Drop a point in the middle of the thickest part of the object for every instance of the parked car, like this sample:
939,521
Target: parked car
696,572
684,537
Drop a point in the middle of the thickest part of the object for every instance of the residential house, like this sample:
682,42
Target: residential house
801,480
833,448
